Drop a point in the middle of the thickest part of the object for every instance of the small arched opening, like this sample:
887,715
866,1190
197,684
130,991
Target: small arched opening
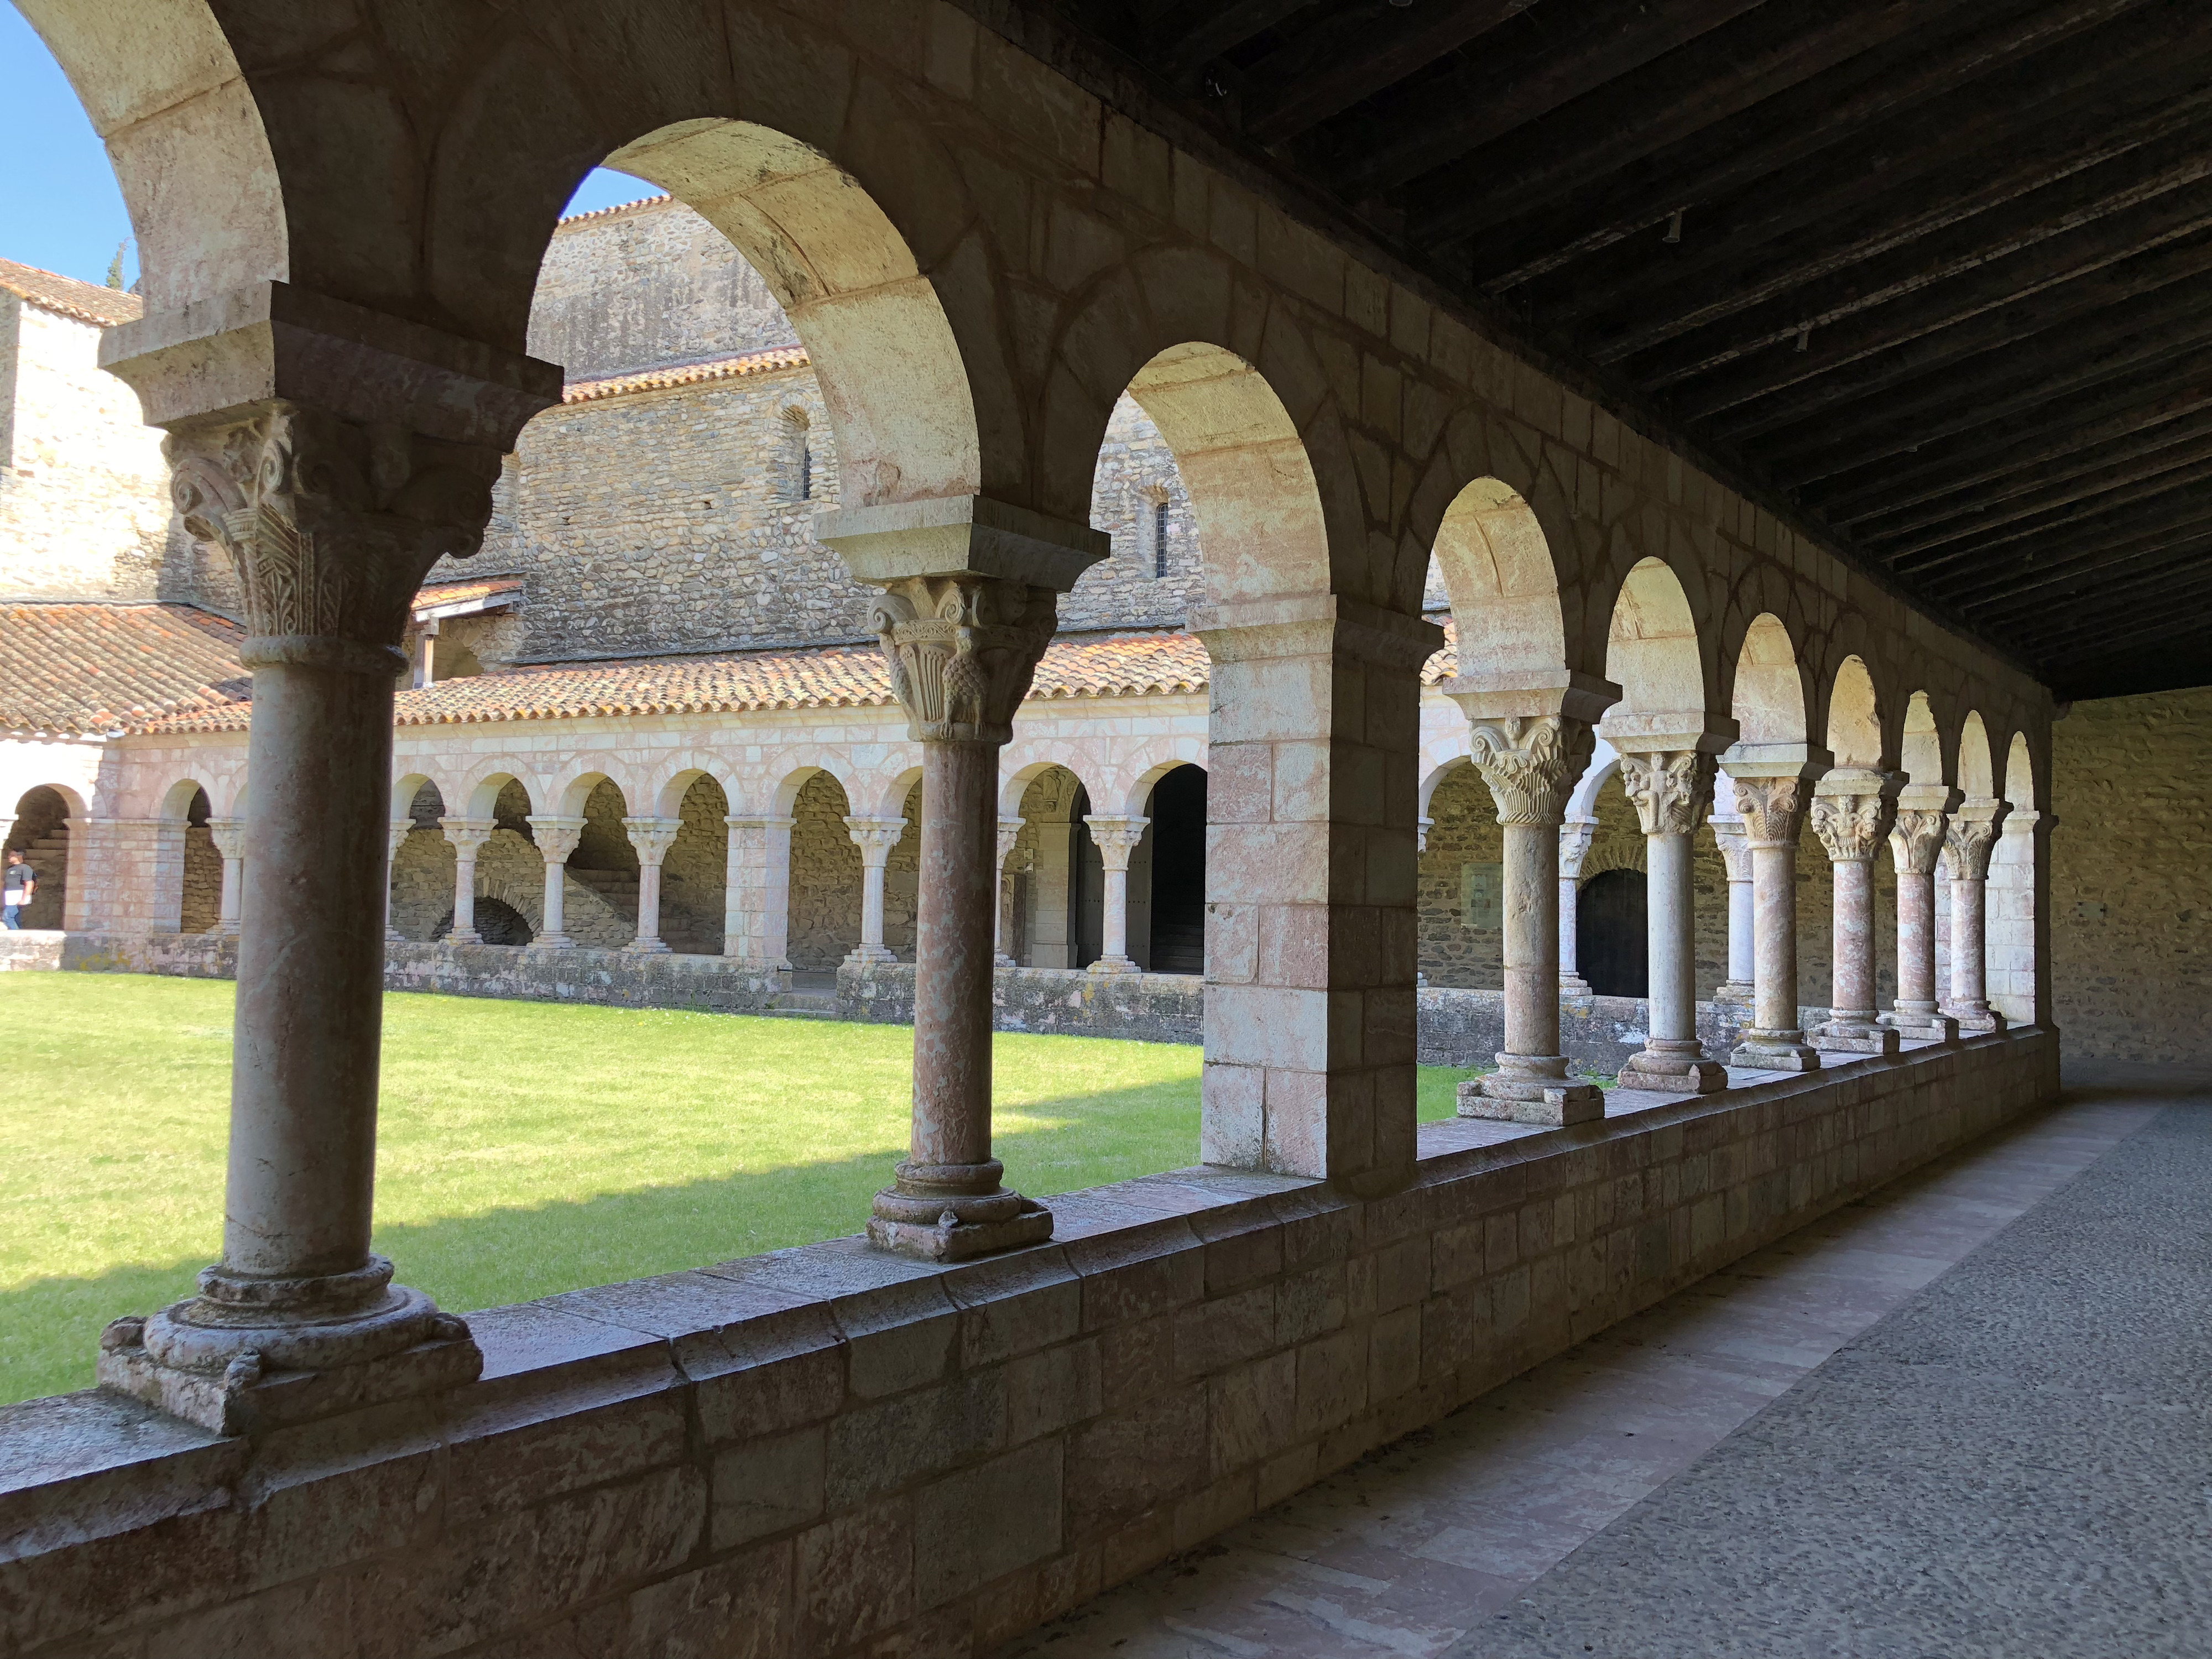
41,834
1167,934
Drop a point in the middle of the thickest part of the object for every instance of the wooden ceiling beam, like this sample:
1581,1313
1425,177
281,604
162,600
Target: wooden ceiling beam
1715,378
2109,528
2088,507
2107,311
1860,95
1183,39
1561,57
2007,590
1359,52
2068,648
2004,607
1833,270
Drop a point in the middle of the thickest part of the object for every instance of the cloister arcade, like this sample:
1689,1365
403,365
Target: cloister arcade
981,258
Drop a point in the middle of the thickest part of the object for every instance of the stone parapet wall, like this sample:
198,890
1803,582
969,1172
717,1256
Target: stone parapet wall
1060,1001
829,1450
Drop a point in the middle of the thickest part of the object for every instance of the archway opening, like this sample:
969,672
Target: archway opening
1045,874
498,922
694,871
1492,563
41,834
199,900
1174,855
825,881
1611,939
1462,884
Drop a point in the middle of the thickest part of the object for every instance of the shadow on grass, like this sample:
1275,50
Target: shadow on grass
50,1327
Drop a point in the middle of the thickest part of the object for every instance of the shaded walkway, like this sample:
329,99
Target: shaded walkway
1888,1438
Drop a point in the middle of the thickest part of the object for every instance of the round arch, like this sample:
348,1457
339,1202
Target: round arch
1652,646
1497,569
1855,727
1977,762
1921,751
1768,701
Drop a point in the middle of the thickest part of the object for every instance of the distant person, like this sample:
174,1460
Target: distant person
21,881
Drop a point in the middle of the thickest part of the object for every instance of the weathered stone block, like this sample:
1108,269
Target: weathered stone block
983,1522
767,1485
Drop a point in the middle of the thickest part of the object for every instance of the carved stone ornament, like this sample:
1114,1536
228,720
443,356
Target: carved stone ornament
1916,841
1575,845
1668,789
1970,841
332,526
1735,855
1531,764
1773,810
1851,827
961,650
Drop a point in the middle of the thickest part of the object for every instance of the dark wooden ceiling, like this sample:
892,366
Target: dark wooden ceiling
1930,273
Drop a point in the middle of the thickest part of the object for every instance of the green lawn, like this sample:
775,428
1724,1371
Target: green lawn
525,1148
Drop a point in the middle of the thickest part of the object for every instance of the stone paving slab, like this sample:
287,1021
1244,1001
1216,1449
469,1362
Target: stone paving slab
2014,1462
1418,1550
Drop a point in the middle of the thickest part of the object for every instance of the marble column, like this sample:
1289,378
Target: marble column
1574,847
1531,766
1421,828
1669,788
962,647
229,837
1009,830
1735,859
396,838
1916,845
557,838
2017,929
1851,815
875,837
650,838
331,520
468,837
756,900
1973,834
1773,810
1116,840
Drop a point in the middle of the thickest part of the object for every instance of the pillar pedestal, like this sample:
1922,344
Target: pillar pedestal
1531,764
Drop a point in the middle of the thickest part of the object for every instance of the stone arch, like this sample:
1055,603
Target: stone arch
1921,751
1653,651
1855,726
484,794
893,799
2020,773
1261,529
1435,778
1046,869
178,799
795,778
667,796
1014,792
186,138
1977,772
1605,763
1769,700
695,871
1152,764
577,790
824,878
1498,569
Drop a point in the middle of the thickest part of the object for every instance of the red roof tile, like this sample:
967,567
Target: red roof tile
86,669
85,302
431,595
660,380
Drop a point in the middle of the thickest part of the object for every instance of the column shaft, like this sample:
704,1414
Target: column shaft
952,984
1743,911
1009,830
1774,809
1850,815
1670,788
229,837
1971,839
1670,931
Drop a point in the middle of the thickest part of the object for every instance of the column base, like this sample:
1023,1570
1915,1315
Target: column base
1003,961
1774,1051
1976,1022
863,954
647,947
229,930
552,942
1734,990
456,937
1855,1037
1921,1025
232,1361
1680,1068
1532,1088
393,936
1114,965
935,1213
1574,987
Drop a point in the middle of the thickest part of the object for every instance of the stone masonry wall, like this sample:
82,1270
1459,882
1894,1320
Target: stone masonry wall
2131,877
832,1451
825,876
203,900
84,493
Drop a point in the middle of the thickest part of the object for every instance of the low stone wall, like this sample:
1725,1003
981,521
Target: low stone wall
1597,1034
830,1452
1064,1001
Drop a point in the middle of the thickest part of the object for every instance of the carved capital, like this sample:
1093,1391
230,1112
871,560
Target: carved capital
1916,841
1851,827
875,837
1773,810
1668,788
961,650
1531,764
401,829
467,835
1969,841
651,838
1574,845
1009,830
1736,851
1115,839
229,835
330,525
557,837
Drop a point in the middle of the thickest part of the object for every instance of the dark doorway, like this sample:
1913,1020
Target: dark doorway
1086,887
498,922
1609,934
1178,833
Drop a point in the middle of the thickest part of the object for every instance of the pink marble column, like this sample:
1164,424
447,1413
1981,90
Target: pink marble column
1532,766
1116,838
1669,788
1575,835
875,837
1009,830
229,837
558,839
1973,834
468,837
1773,810
1851,814
1916,844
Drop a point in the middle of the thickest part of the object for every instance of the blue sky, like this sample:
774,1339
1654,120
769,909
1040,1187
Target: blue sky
59,206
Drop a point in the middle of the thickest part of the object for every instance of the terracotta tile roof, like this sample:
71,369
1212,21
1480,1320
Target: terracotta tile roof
835,677
431,595
89,669
660,379
1444,666
661,200
66,296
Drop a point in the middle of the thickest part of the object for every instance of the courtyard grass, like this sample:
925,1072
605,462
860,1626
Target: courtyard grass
523,1148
